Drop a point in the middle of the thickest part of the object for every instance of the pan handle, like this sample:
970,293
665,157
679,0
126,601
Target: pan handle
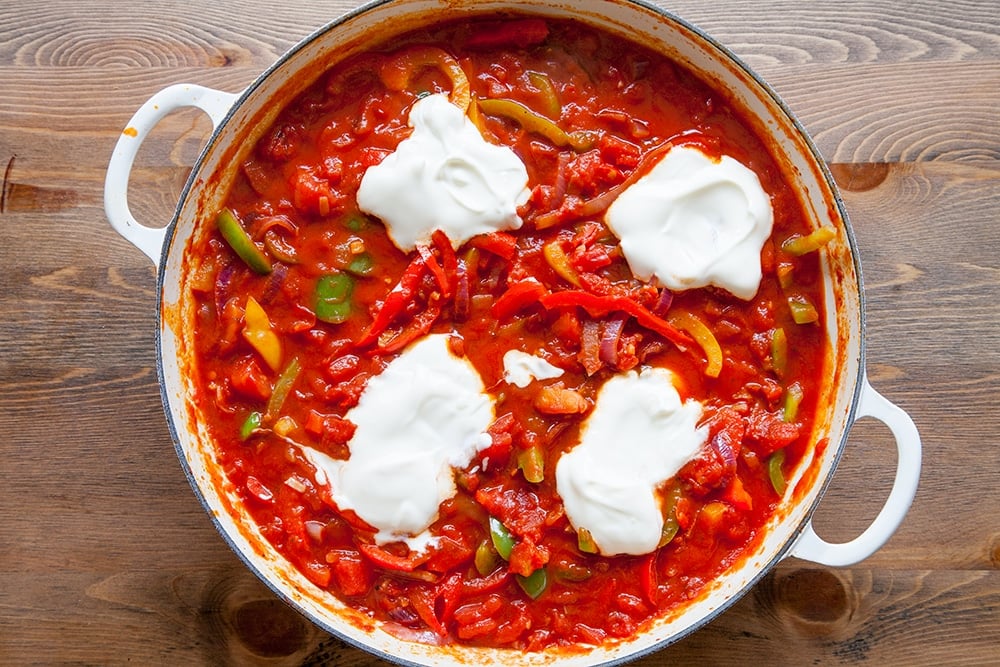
215,103
812,547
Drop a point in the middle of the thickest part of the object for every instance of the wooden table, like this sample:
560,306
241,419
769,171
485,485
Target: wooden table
106,557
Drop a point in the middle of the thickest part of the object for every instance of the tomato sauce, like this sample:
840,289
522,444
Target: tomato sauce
294,197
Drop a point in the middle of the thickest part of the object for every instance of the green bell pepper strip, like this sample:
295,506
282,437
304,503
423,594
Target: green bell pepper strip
534,584
793,397
531,461
779,351
503,541
282,387
250,425
333,297
803,312
774,471
241,243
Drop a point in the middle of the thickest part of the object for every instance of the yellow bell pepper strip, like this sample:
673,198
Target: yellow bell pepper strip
601,305
775,473
800,245
282,387
241,243
532,121
398,73
534,584
503,541
793,398
258,332
703,336
803,312
557,258
550,99
779,351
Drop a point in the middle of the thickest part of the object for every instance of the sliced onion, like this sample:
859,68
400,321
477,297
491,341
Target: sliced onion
663,303
223,281
274,281
611,334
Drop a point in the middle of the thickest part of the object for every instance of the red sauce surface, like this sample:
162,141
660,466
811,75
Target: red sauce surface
295,197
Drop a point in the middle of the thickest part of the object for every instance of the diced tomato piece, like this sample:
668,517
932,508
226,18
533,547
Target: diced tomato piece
249,379
768,432
737,496
518,509
350,572
526,557
318,573
474,612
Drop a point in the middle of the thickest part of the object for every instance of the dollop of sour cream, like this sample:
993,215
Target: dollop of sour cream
638,436
521,369
444,176
694,221
424,415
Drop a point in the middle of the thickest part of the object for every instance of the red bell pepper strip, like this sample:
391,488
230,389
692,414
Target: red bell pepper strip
419,326
435,269
425,610
500,244
600,305
390,561
521,33
518,296
648,578
395,301
449,260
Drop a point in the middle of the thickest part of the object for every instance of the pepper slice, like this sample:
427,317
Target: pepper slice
333,297
395,301
503,541
400,71
800,245
258,332
241,243
282,387
519,295
533,121
704,337
599,306
775,473
534,584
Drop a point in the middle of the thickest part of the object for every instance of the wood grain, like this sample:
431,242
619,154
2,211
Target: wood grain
106,557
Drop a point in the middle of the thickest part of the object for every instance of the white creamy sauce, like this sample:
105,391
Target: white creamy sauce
521,368
638,436
694,221
424,415
444,176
